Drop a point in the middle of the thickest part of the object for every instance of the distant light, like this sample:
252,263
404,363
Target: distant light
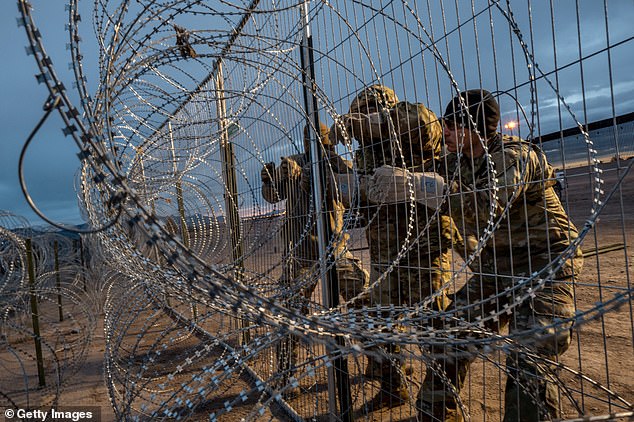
511,125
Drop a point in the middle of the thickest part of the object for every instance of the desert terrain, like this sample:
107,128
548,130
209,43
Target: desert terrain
601,348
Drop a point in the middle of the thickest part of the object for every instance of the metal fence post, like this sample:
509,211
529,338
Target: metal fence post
83,264
181,204
146,192
35,316
323,209
58,282
231,183
179,189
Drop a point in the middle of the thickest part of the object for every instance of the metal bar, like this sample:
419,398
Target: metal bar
35,316
179,190
323,209
181,207
83,264
155,250
231,194
603,249
58,280
608,417
586,253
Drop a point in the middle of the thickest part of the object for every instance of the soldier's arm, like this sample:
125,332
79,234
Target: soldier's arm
337,163
392,185
362,127
487,196
352,189
340,177
348,188
273,189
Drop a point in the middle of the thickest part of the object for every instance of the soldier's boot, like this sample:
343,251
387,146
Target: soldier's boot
287,357
529,395
375,369
393,390
388,368
436,402
437,406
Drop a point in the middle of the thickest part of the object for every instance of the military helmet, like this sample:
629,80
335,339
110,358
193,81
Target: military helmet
418,127
480,105
373,98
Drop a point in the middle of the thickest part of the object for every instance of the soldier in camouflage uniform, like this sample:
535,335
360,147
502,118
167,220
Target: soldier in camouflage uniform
299,234
533,231
408,136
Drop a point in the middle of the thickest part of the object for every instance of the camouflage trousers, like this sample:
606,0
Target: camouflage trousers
411,280
352,278
425,264
530,394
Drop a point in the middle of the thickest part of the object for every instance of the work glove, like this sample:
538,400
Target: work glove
393,185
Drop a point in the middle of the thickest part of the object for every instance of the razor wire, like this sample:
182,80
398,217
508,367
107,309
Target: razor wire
153,182
34,275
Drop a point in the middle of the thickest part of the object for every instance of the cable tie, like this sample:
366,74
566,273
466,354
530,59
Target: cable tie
68,130
72,113
83,154
42,77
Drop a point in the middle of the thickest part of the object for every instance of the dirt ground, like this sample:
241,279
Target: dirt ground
602,348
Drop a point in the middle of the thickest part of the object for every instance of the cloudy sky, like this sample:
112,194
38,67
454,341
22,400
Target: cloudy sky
51,163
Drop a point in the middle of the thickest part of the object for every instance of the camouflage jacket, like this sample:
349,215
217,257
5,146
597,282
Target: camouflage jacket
416,147
414,140
299,232
533,226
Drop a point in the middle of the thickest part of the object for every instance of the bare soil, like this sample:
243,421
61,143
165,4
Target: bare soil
601,350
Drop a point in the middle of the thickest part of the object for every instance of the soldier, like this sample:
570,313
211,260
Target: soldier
291,182
406,136
512,186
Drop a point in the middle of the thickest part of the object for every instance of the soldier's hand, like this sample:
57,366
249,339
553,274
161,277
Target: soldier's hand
363,188
391,185
289,169
267,172
338,131
367,127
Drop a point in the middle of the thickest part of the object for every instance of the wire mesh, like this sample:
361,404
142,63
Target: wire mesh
247,271
40,290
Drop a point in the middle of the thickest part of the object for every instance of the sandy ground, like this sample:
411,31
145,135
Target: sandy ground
601,349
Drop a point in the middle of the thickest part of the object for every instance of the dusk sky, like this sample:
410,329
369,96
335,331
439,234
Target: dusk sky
51,162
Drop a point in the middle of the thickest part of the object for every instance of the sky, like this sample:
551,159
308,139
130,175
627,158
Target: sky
51,163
